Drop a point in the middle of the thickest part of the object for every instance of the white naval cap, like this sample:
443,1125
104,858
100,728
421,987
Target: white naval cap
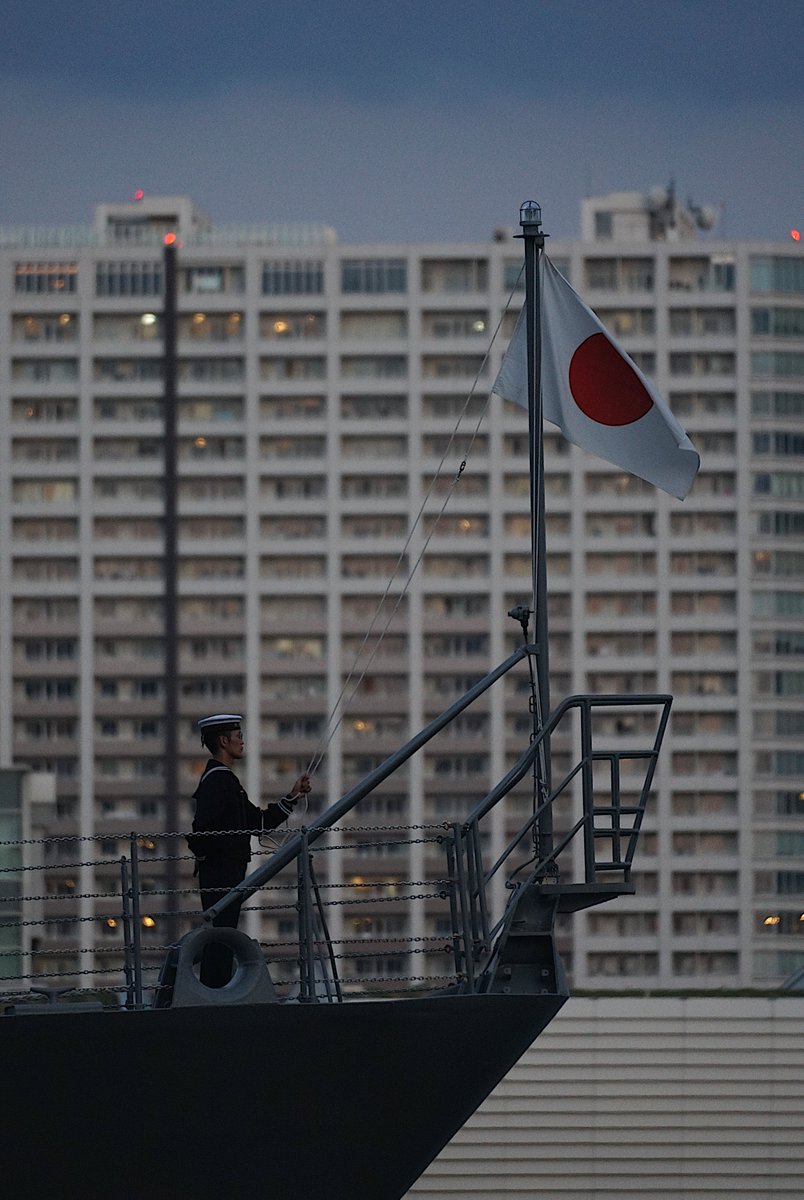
220,723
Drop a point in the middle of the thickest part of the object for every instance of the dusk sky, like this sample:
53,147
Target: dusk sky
404,121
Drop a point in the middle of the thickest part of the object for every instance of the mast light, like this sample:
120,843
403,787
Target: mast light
530,213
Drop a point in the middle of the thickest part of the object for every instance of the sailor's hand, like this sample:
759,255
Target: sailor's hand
301,787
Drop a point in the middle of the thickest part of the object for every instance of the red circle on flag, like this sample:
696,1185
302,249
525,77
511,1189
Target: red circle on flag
605,386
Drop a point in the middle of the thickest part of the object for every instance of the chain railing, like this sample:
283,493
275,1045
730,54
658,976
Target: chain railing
312,953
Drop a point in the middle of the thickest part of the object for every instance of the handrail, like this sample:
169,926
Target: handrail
465,889
286,853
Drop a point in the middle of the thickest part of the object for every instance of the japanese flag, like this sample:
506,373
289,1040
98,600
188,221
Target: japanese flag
594,393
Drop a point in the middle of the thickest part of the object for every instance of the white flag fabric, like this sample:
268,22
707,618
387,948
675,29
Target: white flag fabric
598,398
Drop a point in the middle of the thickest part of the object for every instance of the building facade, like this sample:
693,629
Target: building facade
320,392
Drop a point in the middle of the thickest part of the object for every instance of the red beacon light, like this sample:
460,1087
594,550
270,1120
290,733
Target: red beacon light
139,194
795,235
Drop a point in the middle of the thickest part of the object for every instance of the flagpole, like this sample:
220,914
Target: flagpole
530,219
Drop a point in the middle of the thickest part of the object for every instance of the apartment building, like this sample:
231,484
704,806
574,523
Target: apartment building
320,390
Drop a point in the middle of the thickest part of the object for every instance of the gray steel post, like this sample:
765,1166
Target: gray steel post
466,924
306,927
136,919
128,957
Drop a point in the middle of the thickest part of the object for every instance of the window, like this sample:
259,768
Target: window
779,641
127,327
127,370
701,962
779,683
287,368
374,326
621,563
779,443
514,275
210,370
45,327
702,274
453,366
623,964
778,274
369,446
620,274
128,278
625,322
702,363
293,277
379,366
291,528
778,562
374,275
374,407
211,447
44,370
373,486
620,604
55,491
604,225
702,562
45,410
599,484
780,364
211,327
367,566
217,409
468,525
777,404
278,408
38,278
686,645
779,484
702,322
616,643
293,446
293,487
453,405
108,408
293,325
625,524
212,280
703,524
703,404
300,566
472,324
454,274
704,683
777,322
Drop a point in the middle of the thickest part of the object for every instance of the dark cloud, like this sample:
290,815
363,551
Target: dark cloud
408,120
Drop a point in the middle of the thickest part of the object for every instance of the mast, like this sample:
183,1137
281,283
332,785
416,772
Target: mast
530,219
170,569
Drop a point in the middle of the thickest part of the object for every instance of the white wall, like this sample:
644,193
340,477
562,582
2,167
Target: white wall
642,1097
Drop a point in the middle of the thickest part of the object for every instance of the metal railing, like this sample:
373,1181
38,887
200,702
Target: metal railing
596,826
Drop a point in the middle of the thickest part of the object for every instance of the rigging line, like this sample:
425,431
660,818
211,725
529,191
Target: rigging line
344,703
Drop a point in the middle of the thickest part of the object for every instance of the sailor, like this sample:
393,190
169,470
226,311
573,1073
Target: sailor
221,804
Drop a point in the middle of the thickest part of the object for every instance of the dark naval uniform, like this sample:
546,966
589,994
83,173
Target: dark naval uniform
221,803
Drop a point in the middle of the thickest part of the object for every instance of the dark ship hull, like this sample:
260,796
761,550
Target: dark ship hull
218,1095
325,1102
